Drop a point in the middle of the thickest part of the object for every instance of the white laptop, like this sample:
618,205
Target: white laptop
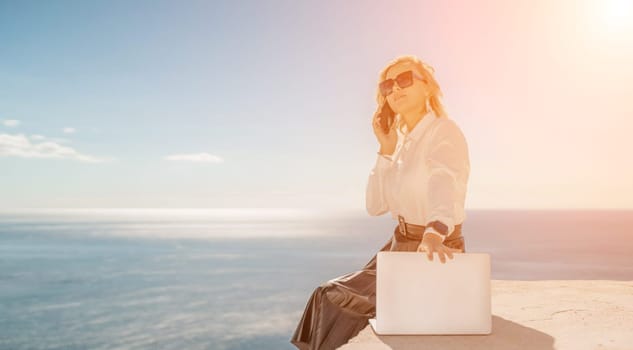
418,296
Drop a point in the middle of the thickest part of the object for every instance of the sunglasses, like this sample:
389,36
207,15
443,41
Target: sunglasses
404,79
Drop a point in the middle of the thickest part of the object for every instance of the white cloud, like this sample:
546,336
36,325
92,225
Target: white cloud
20,146
59,140
196,157
69,130
10,122
38,137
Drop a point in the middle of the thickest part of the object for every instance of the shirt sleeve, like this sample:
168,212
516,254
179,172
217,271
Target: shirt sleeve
448,167
375,200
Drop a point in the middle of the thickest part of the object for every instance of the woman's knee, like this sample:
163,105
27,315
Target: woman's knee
329,291
325,285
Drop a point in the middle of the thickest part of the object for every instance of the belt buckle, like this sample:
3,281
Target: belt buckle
402,226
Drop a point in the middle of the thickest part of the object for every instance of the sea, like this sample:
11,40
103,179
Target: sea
241,278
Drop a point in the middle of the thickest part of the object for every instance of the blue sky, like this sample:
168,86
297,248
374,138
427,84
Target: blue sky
279,96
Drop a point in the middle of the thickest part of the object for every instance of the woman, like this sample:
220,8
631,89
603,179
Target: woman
420,176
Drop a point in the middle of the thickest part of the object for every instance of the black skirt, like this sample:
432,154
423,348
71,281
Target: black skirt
341,307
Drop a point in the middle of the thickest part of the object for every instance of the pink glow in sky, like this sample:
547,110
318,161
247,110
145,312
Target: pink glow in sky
269,104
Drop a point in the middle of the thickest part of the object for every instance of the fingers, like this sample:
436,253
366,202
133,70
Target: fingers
449,251
376,123
429,252
442,257
442,252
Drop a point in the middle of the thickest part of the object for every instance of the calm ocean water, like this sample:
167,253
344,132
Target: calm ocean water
240,279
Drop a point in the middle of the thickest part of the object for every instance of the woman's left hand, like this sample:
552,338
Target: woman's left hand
433,243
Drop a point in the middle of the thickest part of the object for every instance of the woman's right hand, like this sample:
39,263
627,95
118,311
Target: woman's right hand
432,243
388,140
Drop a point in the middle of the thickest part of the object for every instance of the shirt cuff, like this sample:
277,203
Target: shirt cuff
383,160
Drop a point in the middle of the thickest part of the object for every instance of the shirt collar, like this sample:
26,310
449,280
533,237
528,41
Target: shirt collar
419,127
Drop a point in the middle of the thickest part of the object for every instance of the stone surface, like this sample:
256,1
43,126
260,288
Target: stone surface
543,315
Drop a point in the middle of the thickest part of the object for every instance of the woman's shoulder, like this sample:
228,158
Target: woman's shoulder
444,127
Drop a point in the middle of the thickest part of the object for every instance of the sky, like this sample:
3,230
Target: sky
196,104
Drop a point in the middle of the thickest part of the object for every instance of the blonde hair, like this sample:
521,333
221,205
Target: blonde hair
427,73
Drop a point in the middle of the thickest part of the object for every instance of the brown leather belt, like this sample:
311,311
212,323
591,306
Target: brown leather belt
413,231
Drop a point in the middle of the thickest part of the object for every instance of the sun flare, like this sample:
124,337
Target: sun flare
617,16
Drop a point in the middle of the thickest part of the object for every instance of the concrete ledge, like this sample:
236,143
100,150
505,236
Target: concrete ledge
543,315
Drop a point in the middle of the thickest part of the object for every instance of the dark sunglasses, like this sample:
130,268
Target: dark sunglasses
404,79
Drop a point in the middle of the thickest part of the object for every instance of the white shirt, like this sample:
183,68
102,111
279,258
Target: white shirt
426,177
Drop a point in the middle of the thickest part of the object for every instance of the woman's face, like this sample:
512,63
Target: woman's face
408,99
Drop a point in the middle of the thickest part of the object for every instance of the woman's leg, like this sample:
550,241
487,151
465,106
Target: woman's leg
339,309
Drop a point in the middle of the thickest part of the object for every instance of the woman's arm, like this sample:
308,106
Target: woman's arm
375,200
449,167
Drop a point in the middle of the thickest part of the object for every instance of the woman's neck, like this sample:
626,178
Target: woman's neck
412,118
